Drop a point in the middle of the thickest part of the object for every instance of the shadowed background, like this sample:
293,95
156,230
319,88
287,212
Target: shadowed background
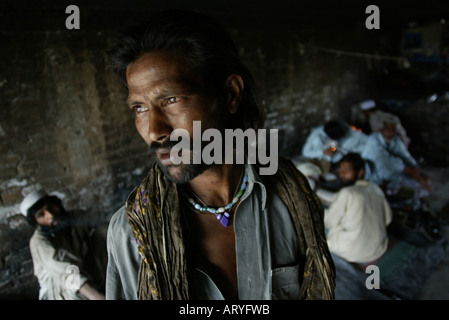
64,125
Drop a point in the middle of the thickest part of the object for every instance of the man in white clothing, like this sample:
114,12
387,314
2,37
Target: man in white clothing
357,219
68,260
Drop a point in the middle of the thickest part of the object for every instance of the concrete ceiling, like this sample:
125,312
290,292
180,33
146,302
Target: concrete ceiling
50,14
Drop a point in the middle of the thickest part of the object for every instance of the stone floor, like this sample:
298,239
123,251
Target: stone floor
437,286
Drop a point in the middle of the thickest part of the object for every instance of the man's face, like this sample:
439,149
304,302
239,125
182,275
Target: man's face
166,95
388,131
48,216
347,173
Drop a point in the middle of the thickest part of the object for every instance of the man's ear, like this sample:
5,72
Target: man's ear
234,92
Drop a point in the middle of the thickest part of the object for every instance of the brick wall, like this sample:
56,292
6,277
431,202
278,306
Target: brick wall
64,125
302,89
64,128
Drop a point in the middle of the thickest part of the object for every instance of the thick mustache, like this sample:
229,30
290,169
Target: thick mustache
157,147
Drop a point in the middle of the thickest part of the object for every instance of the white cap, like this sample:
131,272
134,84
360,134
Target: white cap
368,104
30,200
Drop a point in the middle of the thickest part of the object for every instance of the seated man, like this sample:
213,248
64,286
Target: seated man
357,219
333,140
62,251
326,145
395,167
370,118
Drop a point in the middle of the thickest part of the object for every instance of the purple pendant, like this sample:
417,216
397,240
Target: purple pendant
224,221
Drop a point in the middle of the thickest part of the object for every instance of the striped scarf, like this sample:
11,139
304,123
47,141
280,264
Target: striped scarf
157,222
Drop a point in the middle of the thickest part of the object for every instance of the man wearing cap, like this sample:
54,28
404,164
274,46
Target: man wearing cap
61,251
395,168
371,119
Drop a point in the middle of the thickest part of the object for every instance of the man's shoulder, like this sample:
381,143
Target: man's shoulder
318,130
361,187
37,236
356,134
374,136
348,191
373,188
119,231
373,143
39,241
355,189
397,144
118,220
119,234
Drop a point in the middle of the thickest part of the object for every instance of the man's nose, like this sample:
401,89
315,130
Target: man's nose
48,216
159,128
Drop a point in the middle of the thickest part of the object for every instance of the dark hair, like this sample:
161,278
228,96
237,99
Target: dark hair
206,47
357,162
336,129
51,203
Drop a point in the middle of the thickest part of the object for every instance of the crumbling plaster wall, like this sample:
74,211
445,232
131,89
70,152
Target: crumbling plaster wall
64,125
64,128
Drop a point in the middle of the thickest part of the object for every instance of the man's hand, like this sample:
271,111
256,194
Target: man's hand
91,293
330,151
416,174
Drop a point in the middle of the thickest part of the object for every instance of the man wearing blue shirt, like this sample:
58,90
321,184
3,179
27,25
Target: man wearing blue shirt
332,141
394,165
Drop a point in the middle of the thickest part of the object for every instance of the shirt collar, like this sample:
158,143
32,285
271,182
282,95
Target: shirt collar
362,182
381,139
254,179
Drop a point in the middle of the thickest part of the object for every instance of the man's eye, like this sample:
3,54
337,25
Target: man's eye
171,100
139,109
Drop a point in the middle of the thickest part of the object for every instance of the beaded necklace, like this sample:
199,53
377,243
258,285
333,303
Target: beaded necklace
221,213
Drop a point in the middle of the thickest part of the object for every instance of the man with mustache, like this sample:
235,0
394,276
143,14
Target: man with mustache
358,217
207,231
